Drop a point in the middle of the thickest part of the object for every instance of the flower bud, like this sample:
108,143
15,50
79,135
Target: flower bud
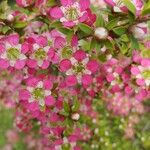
139,31
75,116
101,33
10,18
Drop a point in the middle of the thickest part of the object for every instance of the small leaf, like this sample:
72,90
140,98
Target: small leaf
66,106
134,42
84,45
68,122
146,8
100,22
51,3
20,24
102,57
130,6
85,28
95,44
119,30
5,29
55,24
66,146
65,30
131,18
111,24
124,38
109,44
76,104
123,48
4,9
146,53
64,113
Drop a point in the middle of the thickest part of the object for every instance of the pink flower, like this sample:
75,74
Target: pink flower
11,54
91,18
71,13
38,91
39,57
65,49
142,73
114,71
79,68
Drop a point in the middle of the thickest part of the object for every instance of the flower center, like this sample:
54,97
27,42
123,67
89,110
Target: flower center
40,54
13,53
66,52
146,74
38,93
79,68
71,14
50,43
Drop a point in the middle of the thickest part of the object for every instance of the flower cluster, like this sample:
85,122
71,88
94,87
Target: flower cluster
74,69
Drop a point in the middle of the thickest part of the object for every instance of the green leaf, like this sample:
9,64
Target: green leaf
119,30
68,122
64,113
20,24
65,31
66,146
76,104
146,53
55,24
148,24
134,42
111,24
146,8
85,28
5,29
102,57
131,18
4,9
95,44
124,38
51,3
130,6
147,103
85,45
66,106
100,22
109,44
123,48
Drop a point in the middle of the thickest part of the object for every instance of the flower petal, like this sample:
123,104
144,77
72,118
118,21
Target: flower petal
49,101
84,4
71,80
66,2
56,13
65,65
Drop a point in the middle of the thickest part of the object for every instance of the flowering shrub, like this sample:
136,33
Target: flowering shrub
77,72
